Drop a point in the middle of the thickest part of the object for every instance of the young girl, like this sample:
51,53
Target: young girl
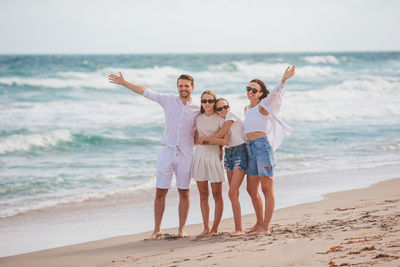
235,160
264,133
207,166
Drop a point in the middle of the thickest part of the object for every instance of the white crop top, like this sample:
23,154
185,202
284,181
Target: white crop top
254,120
275,129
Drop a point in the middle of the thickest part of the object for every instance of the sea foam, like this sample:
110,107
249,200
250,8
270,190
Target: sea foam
27,142
321,59
349,100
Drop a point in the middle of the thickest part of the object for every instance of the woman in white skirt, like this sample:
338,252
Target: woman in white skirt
207,165
235,156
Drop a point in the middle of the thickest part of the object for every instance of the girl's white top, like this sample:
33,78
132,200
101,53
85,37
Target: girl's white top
236,131
275,129
208,125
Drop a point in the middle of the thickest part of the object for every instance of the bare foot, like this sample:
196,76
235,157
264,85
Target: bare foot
261,231
236,233
156,235
213,232
204,233
182,234
253,229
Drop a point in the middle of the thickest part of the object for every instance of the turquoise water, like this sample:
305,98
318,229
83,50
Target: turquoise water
68,136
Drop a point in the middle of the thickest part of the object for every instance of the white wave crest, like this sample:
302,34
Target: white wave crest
98,79
165,77
316,72
26,142
349,100
250,69
243,70
392,147
85,81
321,59
156,75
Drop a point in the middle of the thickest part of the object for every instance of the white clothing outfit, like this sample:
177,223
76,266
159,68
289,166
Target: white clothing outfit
255,121
206,163
176,153
170,160
275,129
236,131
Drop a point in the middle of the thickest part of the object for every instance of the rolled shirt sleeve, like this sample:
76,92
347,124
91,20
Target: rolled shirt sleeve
159,98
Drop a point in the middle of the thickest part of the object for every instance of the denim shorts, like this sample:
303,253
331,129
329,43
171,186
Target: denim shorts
261,158
235,157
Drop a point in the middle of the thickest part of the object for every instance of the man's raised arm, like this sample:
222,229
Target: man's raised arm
121,81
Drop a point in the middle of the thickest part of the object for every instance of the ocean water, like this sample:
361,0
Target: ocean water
68,136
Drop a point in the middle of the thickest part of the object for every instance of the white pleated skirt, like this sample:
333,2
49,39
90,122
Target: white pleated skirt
206,164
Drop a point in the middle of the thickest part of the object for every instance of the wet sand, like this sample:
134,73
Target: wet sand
356,227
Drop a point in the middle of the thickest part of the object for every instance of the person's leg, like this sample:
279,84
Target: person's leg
204,206
159,206
253,182
229,174
267,186
163,183
252,188
219,205
236,181
265,165
184,203
183,165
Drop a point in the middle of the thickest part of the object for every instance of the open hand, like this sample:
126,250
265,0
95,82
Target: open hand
116,79
289,72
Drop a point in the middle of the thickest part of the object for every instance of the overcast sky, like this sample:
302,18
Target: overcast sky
186,26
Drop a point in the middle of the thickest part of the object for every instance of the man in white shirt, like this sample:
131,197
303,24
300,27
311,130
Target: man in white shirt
176,153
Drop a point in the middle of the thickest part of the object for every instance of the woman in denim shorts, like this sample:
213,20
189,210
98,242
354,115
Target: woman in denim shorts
264,133
235,157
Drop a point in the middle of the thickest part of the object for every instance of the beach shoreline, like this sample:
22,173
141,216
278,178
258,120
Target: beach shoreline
360,226
65,225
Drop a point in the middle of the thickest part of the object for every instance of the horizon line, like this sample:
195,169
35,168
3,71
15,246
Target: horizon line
199,53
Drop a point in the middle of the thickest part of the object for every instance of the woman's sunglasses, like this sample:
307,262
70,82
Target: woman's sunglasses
254,90
210,101
221,108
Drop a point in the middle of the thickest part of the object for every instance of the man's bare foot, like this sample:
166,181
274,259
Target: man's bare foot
253,229
156,235
182,234
204,233
236,233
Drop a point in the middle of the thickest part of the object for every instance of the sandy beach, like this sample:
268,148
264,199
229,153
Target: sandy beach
356,227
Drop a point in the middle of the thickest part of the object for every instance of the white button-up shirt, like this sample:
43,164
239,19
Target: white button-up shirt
179,120
277,130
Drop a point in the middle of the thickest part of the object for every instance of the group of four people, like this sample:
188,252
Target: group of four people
249,150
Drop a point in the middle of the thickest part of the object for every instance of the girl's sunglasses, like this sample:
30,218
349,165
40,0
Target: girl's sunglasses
221,108
254,90
210,101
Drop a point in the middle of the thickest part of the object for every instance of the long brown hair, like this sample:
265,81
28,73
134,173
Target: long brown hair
211,93
264,89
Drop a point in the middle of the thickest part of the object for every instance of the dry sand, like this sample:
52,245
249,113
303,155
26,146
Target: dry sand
358,227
